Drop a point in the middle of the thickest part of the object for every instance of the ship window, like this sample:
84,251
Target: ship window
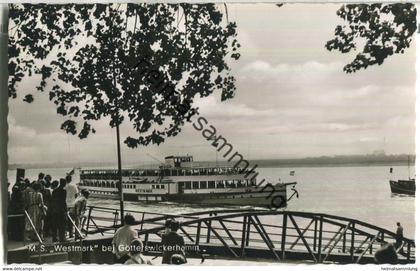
241,183
162,186
220,184
230,184
212,184
195,185
187,185
203,185
153,186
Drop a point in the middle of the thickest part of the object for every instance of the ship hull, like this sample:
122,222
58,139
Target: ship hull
405,187
273,196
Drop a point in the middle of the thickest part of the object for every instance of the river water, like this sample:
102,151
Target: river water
360,192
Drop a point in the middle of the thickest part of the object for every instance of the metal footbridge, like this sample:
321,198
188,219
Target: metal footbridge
272,235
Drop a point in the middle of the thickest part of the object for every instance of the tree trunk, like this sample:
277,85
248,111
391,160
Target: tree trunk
4,95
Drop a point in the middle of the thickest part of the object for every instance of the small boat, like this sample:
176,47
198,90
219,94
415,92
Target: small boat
406,187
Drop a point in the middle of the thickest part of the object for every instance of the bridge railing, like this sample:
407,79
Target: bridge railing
105,221
279,234
319,237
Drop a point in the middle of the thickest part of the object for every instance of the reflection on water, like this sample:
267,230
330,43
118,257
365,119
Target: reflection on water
394,195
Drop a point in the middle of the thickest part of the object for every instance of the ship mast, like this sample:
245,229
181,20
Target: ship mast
408,166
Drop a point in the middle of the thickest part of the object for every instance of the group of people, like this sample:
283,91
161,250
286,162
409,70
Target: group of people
128,248
50,207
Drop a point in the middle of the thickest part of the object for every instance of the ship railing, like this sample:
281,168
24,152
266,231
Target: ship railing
170,171
321,237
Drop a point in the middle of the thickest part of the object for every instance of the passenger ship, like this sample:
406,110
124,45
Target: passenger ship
179,181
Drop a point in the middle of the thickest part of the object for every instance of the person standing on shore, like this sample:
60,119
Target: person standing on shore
40,177
28,189
35,205
46,195
58,210
17,208
47,180
399,236
71,195
80,208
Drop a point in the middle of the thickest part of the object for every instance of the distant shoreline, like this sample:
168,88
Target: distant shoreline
337,165
324,161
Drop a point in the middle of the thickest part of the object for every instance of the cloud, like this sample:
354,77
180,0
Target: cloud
310,67
213,107
18,134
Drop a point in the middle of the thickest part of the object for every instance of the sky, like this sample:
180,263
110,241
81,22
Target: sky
292,100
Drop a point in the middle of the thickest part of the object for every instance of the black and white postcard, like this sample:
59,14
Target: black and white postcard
209,134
